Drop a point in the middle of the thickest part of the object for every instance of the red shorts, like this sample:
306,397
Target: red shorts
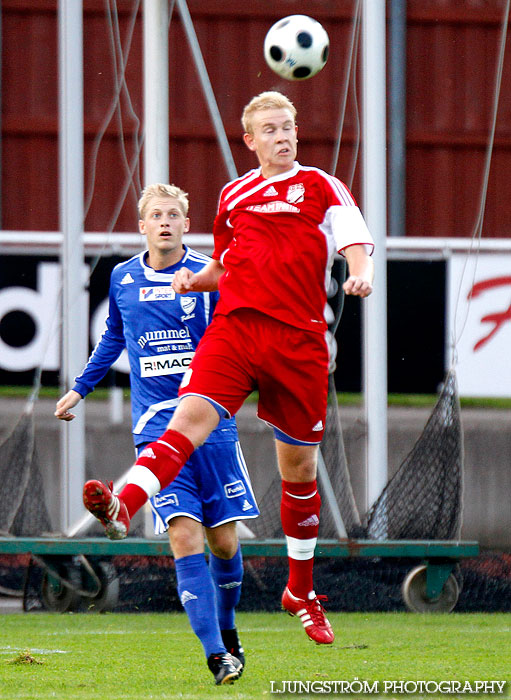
247,351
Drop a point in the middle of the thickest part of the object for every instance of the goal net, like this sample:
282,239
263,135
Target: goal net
23,510
423,500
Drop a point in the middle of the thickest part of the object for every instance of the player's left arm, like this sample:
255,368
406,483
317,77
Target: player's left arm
361,271
206,280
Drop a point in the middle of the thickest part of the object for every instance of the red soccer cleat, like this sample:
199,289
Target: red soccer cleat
108,508
312,615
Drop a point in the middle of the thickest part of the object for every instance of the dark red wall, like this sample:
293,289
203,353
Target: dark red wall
451,66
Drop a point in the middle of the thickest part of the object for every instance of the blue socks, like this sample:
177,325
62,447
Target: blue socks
201,590
227,575
197,595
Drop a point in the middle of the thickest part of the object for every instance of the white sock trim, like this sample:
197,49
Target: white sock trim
302,498
144,478
300,549
162,442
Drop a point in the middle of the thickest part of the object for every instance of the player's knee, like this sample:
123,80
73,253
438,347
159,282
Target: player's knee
303,471
223,542
306,472
185,537
297,462
224,550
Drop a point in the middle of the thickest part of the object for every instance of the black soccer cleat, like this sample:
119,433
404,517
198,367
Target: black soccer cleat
233,645
225,667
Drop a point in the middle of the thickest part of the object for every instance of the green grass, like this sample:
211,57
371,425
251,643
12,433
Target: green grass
345,398
138,656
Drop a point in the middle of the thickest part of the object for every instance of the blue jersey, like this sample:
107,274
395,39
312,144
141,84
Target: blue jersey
160,330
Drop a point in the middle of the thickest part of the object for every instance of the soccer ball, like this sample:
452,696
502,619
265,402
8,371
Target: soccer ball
296,47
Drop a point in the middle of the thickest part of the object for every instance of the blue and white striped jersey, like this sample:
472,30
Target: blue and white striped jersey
160,330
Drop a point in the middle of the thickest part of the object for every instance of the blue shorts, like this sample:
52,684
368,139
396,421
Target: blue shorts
213,488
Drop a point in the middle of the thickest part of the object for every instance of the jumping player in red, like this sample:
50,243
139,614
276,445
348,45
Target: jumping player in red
276,231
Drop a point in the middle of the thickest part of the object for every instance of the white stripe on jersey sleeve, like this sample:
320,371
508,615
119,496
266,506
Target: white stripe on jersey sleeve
340,189
348,227
198,257
235,185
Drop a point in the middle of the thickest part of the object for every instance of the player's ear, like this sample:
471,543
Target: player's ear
187,225
249,141
141,226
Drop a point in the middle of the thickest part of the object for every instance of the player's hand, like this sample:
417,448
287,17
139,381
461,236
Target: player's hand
68,401
356,286
182,281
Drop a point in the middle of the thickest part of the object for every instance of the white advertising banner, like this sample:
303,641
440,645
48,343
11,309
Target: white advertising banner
479,323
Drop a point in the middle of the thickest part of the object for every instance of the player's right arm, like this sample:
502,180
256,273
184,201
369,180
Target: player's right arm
206,280
106,352
68,401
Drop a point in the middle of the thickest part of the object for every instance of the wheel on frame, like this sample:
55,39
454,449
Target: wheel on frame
108,595
414,592
55,594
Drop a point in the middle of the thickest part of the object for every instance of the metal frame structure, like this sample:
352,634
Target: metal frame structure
429,586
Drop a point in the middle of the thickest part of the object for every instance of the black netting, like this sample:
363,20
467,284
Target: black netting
424,498
422,501
23,508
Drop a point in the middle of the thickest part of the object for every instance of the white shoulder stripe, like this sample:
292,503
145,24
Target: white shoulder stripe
340,189
199,257
127,262
238,184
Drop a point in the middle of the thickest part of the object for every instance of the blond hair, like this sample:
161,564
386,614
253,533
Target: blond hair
266,100
160,190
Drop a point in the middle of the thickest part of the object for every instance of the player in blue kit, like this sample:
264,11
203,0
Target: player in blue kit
160,330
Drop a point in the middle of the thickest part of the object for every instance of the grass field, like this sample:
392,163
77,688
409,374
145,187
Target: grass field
345,399
138,656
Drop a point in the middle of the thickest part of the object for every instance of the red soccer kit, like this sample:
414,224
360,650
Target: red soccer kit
276,238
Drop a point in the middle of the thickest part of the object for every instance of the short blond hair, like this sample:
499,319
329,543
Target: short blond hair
160,190
266,100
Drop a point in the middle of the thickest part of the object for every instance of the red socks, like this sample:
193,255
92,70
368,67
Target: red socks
165,457
164,460
134,498
299,512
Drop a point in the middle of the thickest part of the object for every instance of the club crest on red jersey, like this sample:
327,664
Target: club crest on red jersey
295,193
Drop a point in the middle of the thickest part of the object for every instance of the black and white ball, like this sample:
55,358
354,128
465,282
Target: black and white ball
296,47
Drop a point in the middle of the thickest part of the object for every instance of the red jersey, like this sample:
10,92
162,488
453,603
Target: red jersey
276,238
